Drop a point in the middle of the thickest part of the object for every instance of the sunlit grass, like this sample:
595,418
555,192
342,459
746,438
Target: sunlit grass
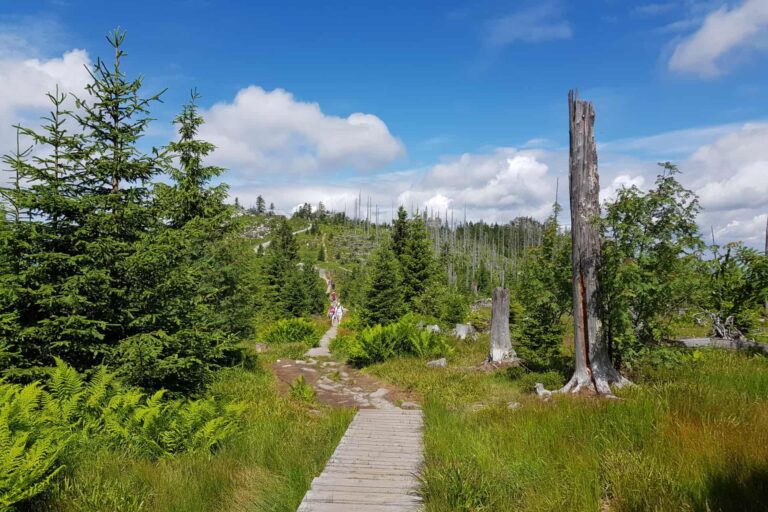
690,438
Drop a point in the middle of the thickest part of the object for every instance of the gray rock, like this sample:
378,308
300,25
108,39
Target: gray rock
410,405
433,328
438,363
543,393
514,405
379,393
464,331
261,347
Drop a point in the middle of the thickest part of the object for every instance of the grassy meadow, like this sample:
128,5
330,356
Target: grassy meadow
689,437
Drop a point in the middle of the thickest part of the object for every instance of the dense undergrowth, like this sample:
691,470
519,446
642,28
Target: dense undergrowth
266,464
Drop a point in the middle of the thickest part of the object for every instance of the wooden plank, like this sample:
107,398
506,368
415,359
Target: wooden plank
375,466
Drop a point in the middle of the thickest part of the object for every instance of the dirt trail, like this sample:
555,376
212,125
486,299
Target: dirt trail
339,385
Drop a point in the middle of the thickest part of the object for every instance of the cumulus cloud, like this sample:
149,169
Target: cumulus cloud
728,170
495,186
272,131
25,83
609,192
731,178
722,32
530,25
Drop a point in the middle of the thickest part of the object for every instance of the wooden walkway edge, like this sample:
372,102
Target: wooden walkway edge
375,466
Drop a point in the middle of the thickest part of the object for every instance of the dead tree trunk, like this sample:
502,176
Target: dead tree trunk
501,342
594,369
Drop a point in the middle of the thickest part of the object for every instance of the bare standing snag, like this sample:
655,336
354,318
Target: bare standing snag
594,369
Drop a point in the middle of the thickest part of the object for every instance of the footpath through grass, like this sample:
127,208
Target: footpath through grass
268,467
694,437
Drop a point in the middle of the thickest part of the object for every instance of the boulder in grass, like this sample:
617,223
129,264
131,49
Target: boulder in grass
438,363
464,331
433,328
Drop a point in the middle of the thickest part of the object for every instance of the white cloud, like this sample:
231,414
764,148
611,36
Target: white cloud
273,132
25,82
532,25
672,144
495,186
731,175
728,170
722,32
621,181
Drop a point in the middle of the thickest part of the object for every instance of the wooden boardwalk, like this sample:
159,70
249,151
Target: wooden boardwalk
375,466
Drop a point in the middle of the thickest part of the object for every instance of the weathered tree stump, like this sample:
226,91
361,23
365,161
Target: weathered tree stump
501,341
594,370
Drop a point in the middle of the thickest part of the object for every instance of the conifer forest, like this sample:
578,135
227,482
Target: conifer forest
168,343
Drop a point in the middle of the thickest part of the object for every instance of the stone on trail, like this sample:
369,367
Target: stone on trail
379,393
410,405
438,363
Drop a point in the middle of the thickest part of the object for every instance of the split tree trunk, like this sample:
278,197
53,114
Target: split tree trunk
501,342
594,369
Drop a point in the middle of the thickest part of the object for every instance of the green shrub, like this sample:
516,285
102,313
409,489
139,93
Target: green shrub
300,390
426,344
374,345
516,372
381,342
343,344
292,330
550,380
480,319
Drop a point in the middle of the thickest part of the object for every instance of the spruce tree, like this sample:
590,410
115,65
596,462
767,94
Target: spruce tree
382,300
416,260
114,192
55,296
400,232
190,197
182,282
260,206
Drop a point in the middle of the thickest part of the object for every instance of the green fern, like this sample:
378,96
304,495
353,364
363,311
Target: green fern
30,444
38,423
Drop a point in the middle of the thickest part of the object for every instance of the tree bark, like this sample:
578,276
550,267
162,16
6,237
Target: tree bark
594,370
501,342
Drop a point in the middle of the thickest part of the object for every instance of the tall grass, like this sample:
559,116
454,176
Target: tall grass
694,437
267,467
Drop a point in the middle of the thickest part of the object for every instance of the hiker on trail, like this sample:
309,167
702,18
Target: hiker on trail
333,296
332,312
339,314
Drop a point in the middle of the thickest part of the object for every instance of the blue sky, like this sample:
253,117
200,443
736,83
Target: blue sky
444,104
